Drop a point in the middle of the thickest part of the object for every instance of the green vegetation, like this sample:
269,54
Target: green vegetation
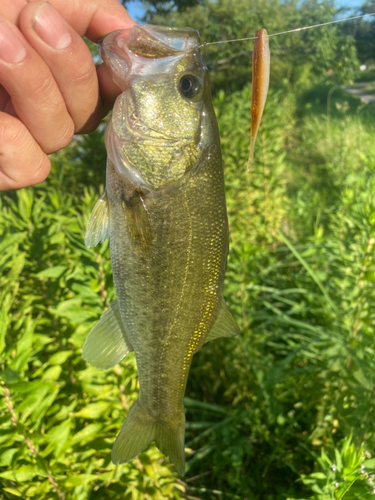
297,59
286,410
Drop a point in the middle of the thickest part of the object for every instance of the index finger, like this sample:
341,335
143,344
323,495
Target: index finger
95,18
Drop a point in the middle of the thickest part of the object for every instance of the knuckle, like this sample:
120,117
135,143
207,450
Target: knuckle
22,162
62,138
85,77
91,124
42,90
67,135
46,95
12,133
41,170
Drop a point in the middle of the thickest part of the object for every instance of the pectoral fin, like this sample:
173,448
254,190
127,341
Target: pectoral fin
224,326
138,224
107,343
98,225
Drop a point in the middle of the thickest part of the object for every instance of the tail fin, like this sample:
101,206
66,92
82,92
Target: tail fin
140,429
170,439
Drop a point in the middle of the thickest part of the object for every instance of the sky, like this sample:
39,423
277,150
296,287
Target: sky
352,4
135,7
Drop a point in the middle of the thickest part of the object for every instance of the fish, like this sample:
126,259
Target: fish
260,84
164,212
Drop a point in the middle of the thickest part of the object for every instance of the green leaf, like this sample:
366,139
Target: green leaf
88,433
80,480
93,410
370,463
191,403
317,475
25,202
338,460
31,387
13,491
72,310
58,239
53,373
7,456
312,273
10,376
57,438
52,272
22,474
60,357
18,263
3,326
38,411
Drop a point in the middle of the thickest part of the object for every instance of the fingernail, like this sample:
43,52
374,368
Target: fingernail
12,49
51,28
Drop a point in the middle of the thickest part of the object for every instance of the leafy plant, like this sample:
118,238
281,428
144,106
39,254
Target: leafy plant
58,417
349,475
283,411
297,59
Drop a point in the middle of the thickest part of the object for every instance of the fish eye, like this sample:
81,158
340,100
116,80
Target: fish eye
189,86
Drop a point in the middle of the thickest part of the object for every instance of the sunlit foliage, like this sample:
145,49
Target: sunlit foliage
285,411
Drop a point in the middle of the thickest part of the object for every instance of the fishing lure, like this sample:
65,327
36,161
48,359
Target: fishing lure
261,71
260,83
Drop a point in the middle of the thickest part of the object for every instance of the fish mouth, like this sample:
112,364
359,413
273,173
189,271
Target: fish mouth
145,146
126,51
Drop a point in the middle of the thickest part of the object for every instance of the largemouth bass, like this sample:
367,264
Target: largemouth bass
165,215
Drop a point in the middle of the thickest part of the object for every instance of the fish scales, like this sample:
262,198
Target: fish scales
165,214
161,290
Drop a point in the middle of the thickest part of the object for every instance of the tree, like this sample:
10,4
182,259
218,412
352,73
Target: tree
364,33
296,57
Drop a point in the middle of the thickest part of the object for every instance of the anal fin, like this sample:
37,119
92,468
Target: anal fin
224,326
107,343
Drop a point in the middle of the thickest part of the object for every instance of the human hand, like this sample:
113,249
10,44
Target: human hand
49,86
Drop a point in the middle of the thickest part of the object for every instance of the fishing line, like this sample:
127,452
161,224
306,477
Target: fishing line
205,44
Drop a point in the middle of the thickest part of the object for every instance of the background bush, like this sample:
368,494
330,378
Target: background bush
285,411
